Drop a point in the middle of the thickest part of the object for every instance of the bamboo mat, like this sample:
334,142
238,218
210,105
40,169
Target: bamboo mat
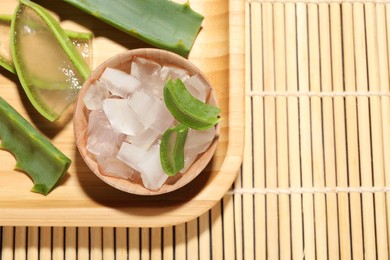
315,179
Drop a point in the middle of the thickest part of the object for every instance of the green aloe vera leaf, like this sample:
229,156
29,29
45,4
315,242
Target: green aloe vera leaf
81,40
5,47
48,65
172,149
187,109
161,23
34,154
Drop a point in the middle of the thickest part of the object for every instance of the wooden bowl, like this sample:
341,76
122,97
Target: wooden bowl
80,122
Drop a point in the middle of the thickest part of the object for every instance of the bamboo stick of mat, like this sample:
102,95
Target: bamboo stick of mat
376,129
7,252
293,132
270,132
145,243
339,130
305,130
204,236
364,130
155,246
83,243
256,45
384,49
247,168
180,241
58,243
281,131
70,245
316,129
216,231
228,230
192,240
155,243
108,243
328,132
121,243
33,243
352,133
168,244
45,242
20,243
96,243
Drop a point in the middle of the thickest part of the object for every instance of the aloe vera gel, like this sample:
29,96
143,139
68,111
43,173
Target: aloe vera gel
131,124
5,43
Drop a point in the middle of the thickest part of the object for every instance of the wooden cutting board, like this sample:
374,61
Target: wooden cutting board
81,199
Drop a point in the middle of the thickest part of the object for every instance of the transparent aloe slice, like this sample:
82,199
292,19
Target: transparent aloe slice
81,40
5,43
49,67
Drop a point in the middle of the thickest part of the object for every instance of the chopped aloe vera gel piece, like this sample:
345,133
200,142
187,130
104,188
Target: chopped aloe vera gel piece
187,109
83,43
81,40
34,154
5,43
161,23
48,65
172,149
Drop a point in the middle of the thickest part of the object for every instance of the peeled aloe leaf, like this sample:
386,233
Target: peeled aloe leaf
48,65
34,154
161,23
81,40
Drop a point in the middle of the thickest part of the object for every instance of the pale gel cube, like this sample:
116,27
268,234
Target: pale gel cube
97,92
122,118
198,87
113,167
141,68
119,83
102,139
152,173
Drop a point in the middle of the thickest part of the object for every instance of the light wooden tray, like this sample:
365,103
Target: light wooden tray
82,199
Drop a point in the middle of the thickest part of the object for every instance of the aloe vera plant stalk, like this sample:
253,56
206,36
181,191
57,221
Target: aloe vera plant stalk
161,23
34,154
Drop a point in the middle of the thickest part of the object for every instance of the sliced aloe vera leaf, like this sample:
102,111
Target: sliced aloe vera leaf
48,65
34,154
172,149
5,43
161,23
81,40
187,109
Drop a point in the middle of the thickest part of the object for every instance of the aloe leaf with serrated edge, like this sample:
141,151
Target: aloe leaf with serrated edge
49,67
81,40
161,23
187,109
172,149
34,154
